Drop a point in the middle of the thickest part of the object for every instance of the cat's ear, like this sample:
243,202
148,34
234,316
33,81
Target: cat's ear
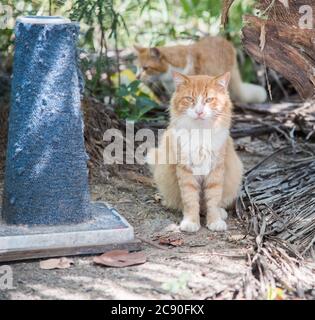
155,53
139,48
224,80
179,78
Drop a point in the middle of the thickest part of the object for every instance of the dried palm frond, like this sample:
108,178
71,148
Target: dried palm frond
278,199
277,206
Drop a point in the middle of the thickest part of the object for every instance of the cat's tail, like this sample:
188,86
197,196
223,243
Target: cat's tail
165,179
245,92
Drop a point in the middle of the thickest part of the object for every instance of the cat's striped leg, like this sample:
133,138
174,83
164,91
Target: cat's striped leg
213,189
190,194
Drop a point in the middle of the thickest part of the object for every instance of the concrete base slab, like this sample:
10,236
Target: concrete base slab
106,229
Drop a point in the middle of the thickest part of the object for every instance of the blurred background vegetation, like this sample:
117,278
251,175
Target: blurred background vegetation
109,28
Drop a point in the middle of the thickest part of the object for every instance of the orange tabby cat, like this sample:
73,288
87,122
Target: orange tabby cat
192,172
210,56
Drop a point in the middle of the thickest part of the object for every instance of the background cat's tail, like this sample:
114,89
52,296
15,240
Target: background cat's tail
245,92
166,180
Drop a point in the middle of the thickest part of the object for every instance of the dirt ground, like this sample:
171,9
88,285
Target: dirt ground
206,264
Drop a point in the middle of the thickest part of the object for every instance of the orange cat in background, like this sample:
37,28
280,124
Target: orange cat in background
193,172
211,56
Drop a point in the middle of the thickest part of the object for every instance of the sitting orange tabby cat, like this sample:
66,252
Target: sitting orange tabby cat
191,172
210,56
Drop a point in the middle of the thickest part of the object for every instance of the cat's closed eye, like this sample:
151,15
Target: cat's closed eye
209,99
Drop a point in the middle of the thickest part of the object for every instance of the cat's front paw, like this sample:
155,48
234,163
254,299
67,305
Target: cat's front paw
218,225
189,226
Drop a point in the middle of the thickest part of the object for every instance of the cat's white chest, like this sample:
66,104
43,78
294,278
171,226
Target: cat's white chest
199,148
201,157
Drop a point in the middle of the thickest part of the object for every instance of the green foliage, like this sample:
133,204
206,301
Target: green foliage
133,105
97,75
189,19
109,25
99,14
235,22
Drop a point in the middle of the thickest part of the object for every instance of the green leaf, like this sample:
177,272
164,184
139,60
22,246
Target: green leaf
123,91
133,86
186,6
142,102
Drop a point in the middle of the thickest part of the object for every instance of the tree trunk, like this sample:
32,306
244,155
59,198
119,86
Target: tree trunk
283,39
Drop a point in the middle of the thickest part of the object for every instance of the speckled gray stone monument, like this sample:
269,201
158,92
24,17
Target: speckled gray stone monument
46,203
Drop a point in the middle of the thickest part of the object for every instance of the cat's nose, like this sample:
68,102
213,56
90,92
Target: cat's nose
200,113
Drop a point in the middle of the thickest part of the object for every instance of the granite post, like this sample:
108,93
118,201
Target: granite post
46,202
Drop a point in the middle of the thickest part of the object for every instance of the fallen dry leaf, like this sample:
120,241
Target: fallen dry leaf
58,263
120,258
172,241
